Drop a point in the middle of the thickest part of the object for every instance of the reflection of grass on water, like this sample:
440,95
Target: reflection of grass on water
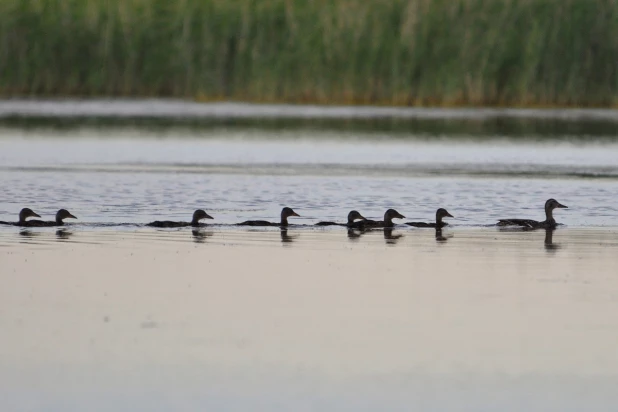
528,128
403,52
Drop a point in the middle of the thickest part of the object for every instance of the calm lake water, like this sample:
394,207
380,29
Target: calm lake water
105,314
250,320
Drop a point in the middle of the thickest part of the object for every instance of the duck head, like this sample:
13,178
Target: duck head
63,214
354,215
25,213
199,214
442,213
288,212
550,205
392,214
285,213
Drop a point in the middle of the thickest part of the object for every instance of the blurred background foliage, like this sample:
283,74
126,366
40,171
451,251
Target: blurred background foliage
391,52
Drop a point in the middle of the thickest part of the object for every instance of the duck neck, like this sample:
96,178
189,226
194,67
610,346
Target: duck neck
59,220
388,221
549,214
195,222
284,221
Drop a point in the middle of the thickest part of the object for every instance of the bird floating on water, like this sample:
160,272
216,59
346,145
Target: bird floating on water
285,213
59,221
352,217
548,223
440,214
355,220
198,215
389,215
24,214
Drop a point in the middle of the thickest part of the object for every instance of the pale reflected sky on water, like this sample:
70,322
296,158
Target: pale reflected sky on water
237,320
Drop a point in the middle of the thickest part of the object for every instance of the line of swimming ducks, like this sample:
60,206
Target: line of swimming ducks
355,220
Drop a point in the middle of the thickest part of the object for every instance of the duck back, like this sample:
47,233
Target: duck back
168,223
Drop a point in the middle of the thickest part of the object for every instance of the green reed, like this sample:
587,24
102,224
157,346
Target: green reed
404,52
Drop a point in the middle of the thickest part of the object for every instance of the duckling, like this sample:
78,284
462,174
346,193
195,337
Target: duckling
198,215
24,214
285,213
352,216
60,216
389,215
548,223
440,214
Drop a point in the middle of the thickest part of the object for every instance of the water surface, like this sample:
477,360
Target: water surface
134,175
239,320
105,314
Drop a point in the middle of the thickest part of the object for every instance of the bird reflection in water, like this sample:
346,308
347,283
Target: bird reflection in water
28,236
355,234
550,246
63,234
440,238
389,237
199,236
285,238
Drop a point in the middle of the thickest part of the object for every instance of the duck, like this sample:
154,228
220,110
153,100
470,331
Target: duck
389,215
352,217
440,214
198,215
548,223
24,214
285,213
60,216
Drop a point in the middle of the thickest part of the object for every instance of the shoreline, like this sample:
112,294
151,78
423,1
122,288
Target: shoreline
178,108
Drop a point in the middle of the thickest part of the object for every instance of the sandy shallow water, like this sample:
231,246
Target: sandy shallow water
235,320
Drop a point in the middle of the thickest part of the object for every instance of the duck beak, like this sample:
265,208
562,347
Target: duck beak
449,215
71,216
35,215
400,216
361,217
295,214
208,216
561,206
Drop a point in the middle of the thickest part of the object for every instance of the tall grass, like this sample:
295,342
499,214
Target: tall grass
403,52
